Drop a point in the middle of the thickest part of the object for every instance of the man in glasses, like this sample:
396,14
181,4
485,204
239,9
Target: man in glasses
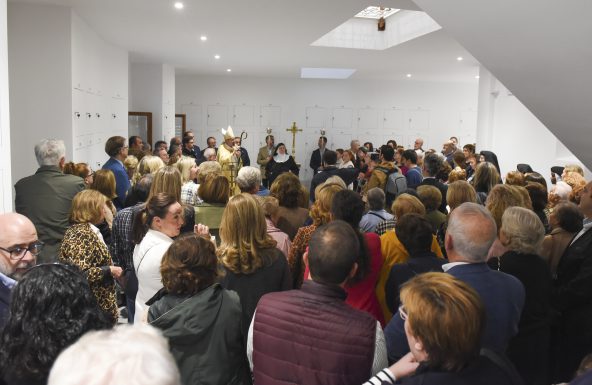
19,247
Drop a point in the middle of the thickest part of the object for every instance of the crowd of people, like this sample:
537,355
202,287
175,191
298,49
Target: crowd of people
396,265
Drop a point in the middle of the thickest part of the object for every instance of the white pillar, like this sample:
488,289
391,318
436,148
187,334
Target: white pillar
5,164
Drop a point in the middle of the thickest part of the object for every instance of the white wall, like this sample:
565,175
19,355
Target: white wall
40,72
348,109
66,83
152,89
5,179
508,128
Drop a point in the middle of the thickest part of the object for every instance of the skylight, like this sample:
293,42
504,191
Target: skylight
326,73
376,12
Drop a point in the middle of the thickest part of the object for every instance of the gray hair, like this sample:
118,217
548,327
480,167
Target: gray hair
376,198
208,167
523,230
139,352
209,152
49,152
473,230
248,178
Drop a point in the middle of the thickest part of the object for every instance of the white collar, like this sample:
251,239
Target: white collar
448,266
281,158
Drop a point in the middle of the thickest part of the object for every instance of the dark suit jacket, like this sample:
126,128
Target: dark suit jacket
245,157
4,303
572,291
316,160
503,297
122,183
441,186
347,174
194,153
45,198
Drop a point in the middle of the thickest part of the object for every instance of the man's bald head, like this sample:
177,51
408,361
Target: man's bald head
16,231
470,233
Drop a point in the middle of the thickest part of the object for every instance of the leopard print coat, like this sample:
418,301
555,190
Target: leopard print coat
83,248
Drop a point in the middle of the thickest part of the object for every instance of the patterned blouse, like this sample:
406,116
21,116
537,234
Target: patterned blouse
83,248
299,245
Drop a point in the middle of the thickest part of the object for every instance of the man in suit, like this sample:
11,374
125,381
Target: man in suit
572,294
19,247
45,197
316,159
211,143
190,149
244,154
136,147
470,233
431,166
193,151
329,169
117,150
264,156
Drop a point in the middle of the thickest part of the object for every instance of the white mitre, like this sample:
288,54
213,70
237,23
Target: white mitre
228,133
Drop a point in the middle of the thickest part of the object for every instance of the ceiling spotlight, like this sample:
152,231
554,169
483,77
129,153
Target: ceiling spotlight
460,58
203,38
408,75
179,5
216,57
476,76
228,70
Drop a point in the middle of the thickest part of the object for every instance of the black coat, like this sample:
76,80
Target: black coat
4,303
347,174
204,334
529,349
572,297
316,160
274,169
402,272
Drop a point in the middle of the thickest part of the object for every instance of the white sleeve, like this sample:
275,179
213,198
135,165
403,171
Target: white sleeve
385,376
250,342
380,360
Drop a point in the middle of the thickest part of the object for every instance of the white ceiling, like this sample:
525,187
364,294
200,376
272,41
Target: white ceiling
540,50
267,38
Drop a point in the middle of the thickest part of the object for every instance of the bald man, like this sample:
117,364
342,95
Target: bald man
19,247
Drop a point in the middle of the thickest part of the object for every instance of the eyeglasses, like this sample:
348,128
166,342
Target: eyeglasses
18,253
403,313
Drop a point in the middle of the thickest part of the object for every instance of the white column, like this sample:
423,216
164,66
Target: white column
5,164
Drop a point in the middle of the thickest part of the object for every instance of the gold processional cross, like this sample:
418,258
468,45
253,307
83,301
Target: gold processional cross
293,130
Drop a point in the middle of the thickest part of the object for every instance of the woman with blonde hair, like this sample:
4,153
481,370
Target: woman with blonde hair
504,196
405,203
148,165
189,170
486,177
320,213
393,250
104,182
131,164
444,320
460,192
83,246
166,180
253,264
214,192
522,235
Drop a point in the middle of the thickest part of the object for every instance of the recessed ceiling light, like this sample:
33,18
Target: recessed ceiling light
408,75
179,5
476,76
228,70
460,58
216,56
203,38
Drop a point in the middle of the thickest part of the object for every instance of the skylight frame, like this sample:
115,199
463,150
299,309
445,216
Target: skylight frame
375,13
